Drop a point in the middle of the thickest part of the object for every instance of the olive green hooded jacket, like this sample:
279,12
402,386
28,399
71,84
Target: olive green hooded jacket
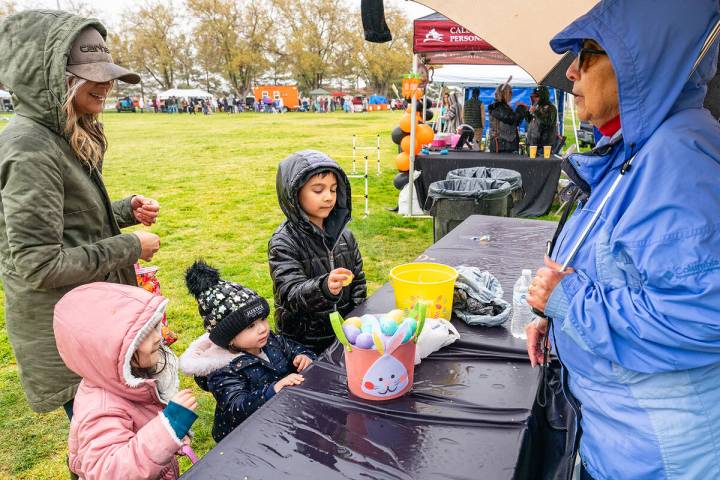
58,228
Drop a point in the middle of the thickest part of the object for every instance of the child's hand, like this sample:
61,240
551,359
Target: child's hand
186,399
301,362
290,380
337,279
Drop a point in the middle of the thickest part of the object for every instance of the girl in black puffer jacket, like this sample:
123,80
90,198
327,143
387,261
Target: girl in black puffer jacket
312,255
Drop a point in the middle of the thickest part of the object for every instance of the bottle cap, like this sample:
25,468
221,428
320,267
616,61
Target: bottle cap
527,271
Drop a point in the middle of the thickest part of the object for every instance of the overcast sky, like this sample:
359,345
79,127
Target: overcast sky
110,11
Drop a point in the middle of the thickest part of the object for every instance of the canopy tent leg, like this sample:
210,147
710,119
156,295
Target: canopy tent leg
413,114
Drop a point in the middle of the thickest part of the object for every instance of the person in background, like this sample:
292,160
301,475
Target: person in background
542,119
454,113
474,114
503,136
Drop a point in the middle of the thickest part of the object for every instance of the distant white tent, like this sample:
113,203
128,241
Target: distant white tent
482,75
4,94
181,92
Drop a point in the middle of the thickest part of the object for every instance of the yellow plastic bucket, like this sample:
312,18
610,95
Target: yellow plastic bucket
431,282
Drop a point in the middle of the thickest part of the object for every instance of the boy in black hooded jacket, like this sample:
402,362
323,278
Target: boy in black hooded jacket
315,263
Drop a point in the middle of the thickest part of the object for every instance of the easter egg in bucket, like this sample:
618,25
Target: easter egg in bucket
381,367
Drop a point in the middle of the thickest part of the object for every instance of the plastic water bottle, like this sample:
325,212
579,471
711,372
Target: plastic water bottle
521,313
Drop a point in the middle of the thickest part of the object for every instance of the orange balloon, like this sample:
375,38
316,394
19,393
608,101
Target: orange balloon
424,134
405,145
405,123
402,161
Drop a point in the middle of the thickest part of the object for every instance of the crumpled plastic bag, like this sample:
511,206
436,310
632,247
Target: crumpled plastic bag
478,298
436,334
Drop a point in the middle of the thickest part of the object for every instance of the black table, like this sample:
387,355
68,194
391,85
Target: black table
471,413
539,176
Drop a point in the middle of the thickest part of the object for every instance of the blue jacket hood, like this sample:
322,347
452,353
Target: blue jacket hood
652,60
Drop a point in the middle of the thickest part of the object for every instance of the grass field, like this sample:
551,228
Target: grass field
214,177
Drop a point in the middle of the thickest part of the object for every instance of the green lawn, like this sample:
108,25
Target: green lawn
214,177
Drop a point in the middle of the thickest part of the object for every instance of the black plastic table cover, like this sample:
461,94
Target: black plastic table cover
471,413
539,176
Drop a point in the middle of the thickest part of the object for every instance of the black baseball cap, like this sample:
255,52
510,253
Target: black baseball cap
90,59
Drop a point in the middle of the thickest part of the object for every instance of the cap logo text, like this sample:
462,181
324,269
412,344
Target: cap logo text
94,48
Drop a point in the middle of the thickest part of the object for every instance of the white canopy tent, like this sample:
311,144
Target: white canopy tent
482,75
4,94
182,92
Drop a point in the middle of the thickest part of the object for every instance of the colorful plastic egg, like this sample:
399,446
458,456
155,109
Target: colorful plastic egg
396,315
367,318
364,340
367,327
351,332
357,321
388,326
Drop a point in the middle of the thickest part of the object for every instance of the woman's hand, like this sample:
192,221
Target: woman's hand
149,244
337,278
186,399
545,281
301,362
536,331
290,380
145,210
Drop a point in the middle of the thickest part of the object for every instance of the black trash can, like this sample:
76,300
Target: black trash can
511,176
452,201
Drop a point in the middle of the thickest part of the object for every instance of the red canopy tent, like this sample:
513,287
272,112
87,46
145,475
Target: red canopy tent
441,41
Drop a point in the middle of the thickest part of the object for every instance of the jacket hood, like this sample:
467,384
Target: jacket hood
99,326
292,174
653,45
34,50
203,357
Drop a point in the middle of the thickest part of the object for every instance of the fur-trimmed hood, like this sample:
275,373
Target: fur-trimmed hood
203,357
99,326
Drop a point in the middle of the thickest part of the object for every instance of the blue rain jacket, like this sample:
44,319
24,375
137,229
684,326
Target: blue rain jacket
637,327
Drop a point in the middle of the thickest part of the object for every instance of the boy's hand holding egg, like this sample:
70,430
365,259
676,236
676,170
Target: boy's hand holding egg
339,278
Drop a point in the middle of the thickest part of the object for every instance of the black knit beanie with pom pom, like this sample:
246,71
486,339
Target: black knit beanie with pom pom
226,307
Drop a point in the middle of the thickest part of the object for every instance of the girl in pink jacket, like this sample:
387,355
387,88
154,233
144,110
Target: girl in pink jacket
129,420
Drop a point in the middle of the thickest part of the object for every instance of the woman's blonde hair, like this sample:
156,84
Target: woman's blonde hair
85,132
503,93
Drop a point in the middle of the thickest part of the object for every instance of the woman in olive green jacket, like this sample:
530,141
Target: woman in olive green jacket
58,227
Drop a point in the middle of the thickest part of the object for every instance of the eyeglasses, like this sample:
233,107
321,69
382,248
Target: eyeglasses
585,53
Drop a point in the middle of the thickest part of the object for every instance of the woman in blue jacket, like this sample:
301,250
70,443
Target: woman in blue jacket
636,319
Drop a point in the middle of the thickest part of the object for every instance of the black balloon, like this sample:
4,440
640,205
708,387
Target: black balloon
400,180
397,135
428,115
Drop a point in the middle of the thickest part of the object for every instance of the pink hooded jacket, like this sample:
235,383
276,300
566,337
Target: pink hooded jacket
118,430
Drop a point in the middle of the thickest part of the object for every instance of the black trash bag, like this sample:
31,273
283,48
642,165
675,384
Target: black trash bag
373,20
511,176
467,189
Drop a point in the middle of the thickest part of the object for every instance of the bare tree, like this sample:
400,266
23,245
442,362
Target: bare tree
154,41
314,30
232,39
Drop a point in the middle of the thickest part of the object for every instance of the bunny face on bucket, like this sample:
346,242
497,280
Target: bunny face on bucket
387,375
